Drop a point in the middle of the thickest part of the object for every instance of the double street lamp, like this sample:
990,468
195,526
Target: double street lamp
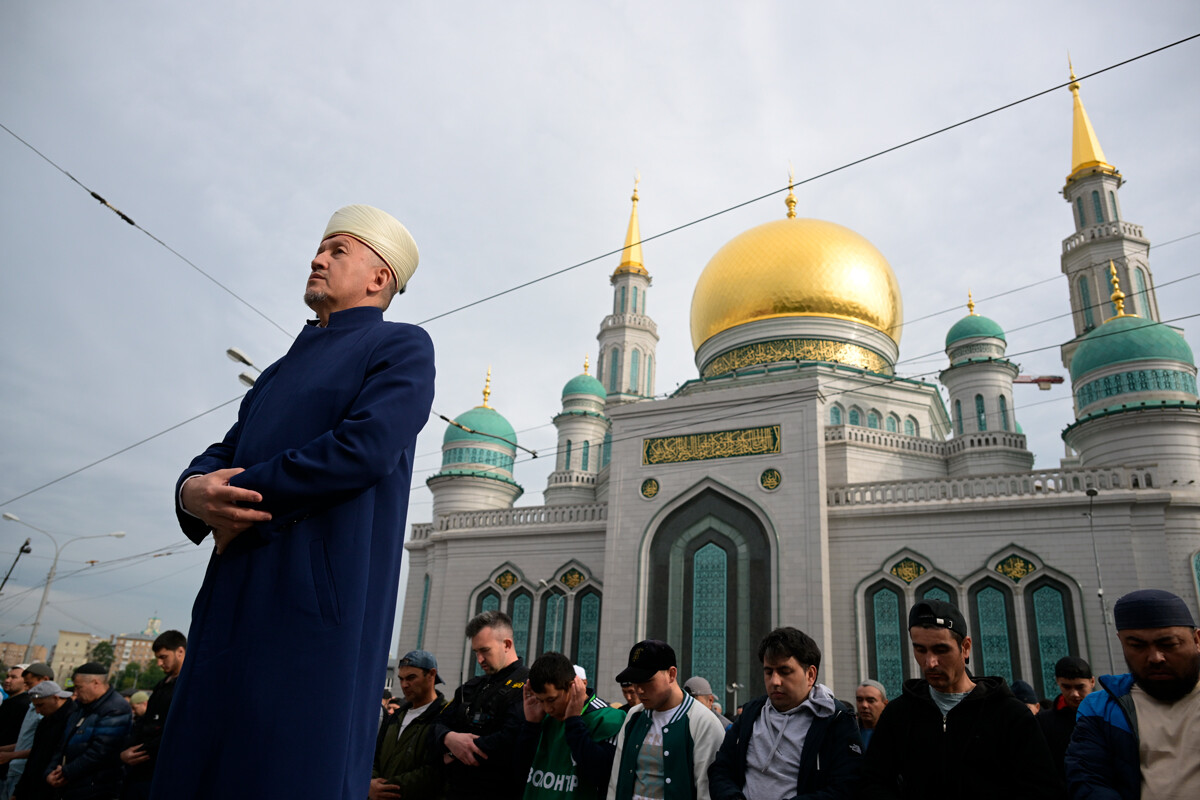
53,568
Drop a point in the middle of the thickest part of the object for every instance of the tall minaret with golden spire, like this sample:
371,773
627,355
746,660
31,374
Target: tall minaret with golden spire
628,336
1102,235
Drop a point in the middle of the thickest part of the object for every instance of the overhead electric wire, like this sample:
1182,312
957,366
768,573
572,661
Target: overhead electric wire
608,254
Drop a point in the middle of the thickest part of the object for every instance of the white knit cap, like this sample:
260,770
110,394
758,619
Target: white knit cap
383,233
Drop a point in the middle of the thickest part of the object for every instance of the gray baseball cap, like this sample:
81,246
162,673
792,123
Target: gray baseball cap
48,689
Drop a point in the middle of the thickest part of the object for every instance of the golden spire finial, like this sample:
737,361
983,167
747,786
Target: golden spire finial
1118,297
970,303
791,198
487,388
1085,147
631,259
585,361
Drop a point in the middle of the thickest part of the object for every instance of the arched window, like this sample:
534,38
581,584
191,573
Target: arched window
910,427
887,646
958,416
937,590
424,613
649,370
488,601
1003,413
567,456
554,621
1079,205
835,415
583,457
890,424
993,630
520,608
633,372
587,630
1098,207
1051,623
1112,202
644,293
980,414
634,307
600,367
855,417
606,450
1143,299
710,566
614,370
621,293
872,420
1085,303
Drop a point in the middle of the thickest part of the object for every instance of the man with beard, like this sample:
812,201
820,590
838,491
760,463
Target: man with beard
1140,737
952,733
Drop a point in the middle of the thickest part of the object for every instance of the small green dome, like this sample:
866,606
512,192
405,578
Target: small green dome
974,326
585,384
486,421
1129,338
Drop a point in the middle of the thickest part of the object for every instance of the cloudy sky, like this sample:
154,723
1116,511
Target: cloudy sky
506,136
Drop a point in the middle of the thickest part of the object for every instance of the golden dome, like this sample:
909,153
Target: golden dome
796,268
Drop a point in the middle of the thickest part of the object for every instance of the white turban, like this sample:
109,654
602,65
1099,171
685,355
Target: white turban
383,233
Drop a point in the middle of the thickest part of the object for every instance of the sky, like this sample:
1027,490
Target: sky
507,138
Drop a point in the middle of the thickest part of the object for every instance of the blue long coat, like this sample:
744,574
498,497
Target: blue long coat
279,694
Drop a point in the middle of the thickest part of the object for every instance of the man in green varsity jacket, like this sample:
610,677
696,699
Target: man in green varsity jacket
668,740
565,749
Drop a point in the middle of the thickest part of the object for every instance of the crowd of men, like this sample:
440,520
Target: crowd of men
91,743
539,732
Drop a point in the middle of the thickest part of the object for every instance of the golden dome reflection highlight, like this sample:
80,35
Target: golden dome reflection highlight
796,268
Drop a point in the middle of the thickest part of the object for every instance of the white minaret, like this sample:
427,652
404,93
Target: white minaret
979,379
628,337
581,429
1102,235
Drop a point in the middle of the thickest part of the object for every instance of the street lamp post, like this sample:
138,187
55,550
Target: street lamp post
53,569
236,355
25,548
1091,493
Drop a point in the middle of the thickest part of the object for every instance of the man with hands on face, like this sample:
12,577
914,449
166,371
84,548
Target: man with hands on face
567,744
478,730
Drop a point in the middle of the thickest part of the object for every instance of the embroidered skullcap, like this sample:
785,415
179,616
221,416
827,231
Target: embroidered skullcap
383,233
1151,608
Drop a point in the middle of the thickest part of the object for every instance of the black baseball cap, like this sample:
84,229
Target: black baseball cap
937,614
646,659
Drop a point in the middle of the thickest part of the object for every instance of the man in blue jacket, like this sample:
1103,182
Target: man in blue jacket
87,765
306,500
1140,736
798,740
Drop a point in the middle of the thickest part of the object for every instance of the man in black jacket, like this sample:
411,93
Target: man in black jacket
87,765
1075,682
55,707
797,741
950,733
170,648
478,730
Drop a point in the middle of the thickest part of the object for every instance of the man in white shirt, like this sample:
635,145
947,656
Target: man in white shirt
668,739
1140,737
406,764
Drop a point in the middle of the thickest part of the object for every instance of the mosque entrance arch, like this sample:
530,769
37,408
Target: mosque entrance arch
710,590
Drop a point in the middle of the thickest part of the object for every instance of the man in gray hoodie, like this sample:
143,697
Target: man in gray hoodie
797,739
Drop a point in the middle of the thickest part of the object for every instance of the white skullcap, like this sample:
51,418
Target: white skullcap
580,672
383,233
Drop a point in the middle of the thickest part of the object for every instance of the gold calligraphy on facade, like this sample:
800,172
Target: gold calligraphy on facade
1014,568
908,570
797,350
717,444
506,579
770,479
572,578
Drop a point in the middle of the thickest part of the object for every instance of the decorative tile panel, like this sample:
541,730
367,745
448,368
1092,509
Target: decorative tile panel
716,444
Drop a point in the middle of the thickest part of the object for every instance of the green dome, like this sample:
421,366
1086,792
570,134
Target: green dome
974,326
486,421
585,384
1130,338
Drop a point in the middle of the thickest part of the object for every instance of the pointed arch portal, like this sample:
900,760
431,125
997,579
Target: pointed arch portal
710,591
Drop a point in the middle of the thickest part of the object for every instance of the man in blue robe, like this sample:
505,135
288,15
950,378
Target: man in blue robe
306,499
